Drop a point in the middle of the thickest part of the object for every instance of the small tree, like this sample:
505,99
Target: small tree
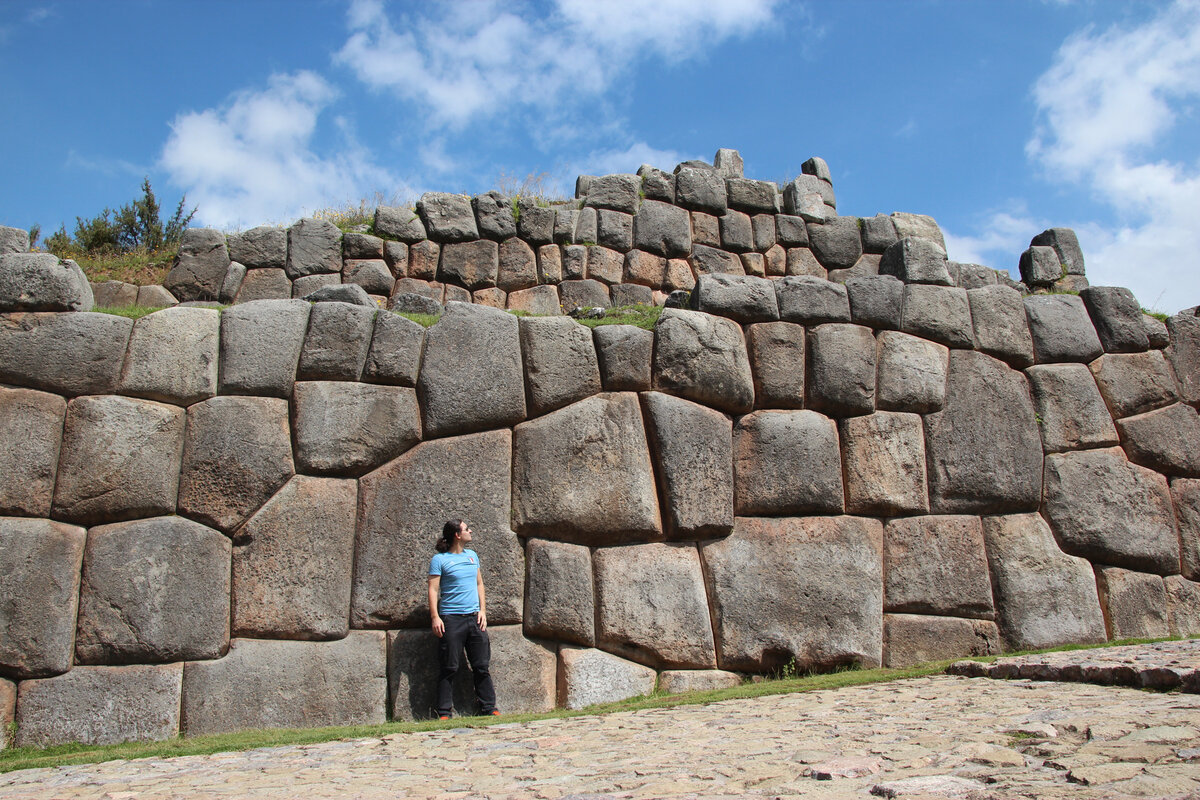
134,226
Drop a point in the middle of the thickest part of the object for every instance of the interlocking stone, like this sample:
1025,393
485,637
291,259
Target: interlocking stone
911,374
1184,354
1111,511
624,353
651,606
237,452
535,223
335,346
583,294
1043,596
836,242
707,260
465,388
701,190
919,225
314,247
494,215
939,313
883,456
172,356
749,195
101,705
1134,603
423,258
1070,412
1167,440
614,229
878,233
743,298
1000,325
537,300
1117,318
549,264
810,300
447,217
560,592
1061,329
560,362
914,259
974,276
348,429
1135,383
786,462
155,297
302,288
876,300
776,351
1066,247
1185,493
678,275
806,588
572,462
765,234
259,248
1039,267
119,460
656,184
737,234
983,448
200,266
31,425
801,261
395,352
693,451
617,192
918,639
517,266
473,265
260,346
401,223
936,565
703,358
182,615
798,198
270,284
282,684
44,282
678,681
587,676
372,274
40,560
69,354
401,509
791,231
841,369
1183,606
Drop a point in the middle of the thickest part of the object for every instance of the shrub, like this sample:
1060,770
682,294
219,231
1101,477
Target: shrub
137,226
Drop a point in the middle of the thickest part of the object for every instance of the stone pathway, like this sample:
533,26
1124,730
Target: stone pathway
937,737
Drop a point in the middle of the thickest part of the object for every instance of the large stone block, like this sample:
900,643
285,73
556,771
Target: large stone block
810,300
494,215
806,588
40,560
465,386
587,676
172,356
809,197
618,192
911,374
1070,412
474,264
877,300
693,448
700,189
1110,511
748,195
263,247
560,362
743,298
281,684
786,462
614,229
680,681
583,474
401,509
841,369
583,293
274,284
801,261
199,268
101,705
560,592
260,346
1066,247
791,231
535,223
31,426
1039,267
447,217
70,354
292,563
1167,440
402,223
915,259
878,233
43,282
703,358
910,639
836,242
983,448
624,353
776,352
883,456
939,313
936,565
645,269
1184,354
1043,596
348,429
423,258
153,591
13,240
651,606
1135,383
1183,606
918,225
516,266
1061,329
1000,324
707,260
536,300
1185,493
314,247
337,341
108,294
1134,603
1117,318
119,460
237,452
737,234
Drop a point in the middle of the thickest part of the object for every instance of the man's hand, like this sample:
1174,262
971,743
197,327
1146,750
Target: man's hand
439,627
481,618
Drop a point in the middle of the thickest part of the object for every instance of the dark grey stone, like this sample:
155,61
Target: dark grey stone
878,233
344,428
786,462
302,288
1071,413
372,274
616,192
403,224
876,300
1135,382
473,265
259,248
737,234
260,346
911,374
752,196
743,298
1066,247
447,217
411,303
631,294
69,354
357,246
841,369
583,294
535,223
701,190
565,222
765,235
816,166
494,215
314,246
266,284
624,353
776,351
916,260
707,260
939,313
810,300
31,426
791,231
200,267
395,353
335,347
1167,440
1000,324
43,282
1040,267
656,184
836,242
172,356
1117,318
1183,353
586,231
560,362
560,592
517,266
1061,329
1156,332
703,358
974,276
614,230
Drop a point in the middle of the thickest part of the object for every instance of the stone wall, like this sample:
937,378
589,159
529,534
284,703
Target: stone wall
222,519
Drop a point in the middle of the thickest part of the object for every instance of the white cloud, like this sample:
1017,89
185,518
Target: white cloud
611,161
104,166
253,160
1003,234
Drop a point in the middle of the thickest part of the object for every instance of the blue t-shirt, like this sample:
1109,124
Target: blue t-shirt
458,571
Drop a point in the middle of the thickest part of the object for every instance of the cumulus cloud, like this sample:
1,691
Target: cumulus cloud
1003,233
253,159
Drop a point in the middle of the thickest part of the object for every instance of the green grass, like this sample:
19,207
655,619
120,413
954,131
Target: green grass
1158,315
641,316
424,320
139,267
133,312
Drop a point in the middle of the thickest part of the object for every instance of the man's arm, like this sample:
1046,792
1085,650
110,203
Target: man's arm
435,586
481,617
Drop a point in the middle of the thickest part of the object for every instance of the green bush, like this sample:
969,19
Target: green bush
137,226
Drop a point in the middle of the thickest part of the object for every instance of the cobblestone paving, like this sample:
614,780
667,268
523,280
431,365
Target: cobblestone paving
936,737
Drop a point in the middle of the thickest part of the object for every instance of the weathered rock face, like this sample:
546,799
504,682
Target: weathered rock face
395,353
559,592
336,344
1185,492
260,346
314,247
776,351
1061,329
911,375
42,282
916,639
940,313
1166,440
261,247
172,356
808,588
786,462
743,298
841,369
70,354
1183,605
587,676
936,565
1134,383
624,354
344,428
1184,354
883,457
1070,412
27,472
560,362
1134,603
1000,325
811,300
703,359
583,474
199,269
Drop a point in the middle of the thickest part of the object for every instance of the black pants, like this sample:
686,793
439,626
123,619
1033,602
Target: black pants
462,631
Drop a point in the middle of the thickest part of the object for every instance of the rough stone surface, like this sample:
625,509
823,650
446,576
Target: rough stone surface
463,387
399,223
350,293
983,448
447,217
791,231
841,369
31,425
1000,324
292,563
344,428
69,354
494,215
1066,247
266,684
1110,511
336,344
44,282
119,460
560,362
372,274
695,466
549,264
40,560
765,234
1039,266
737,234
309,285
1185,493
314,247
703,358
583,294
836,242
101,705
910,639
395,352
936,565
743,298
182,615
560,592
809,300
878,233
260,346
1183,606
614,229
1061,329
1043,596
537,300
701,190
572,463
199,269
491,297
155,297
237,452
401,509
883,456
801,261
918,225
517,266
680,681
876,300
535,223
1167,440
266,284
1134,603
172,356
707,260
914,259
786,462
263,247
911,374
624,354
776,351
13,240
1184,354
587,676
616,192
1070,412
939,313
423,258
806,588
1135,383
472,264
1117,318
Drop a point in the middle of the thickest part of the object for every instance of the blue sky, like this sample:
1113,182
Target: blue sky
998,119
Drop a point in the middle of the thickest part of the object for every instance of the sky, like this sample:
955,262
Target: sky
998,119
